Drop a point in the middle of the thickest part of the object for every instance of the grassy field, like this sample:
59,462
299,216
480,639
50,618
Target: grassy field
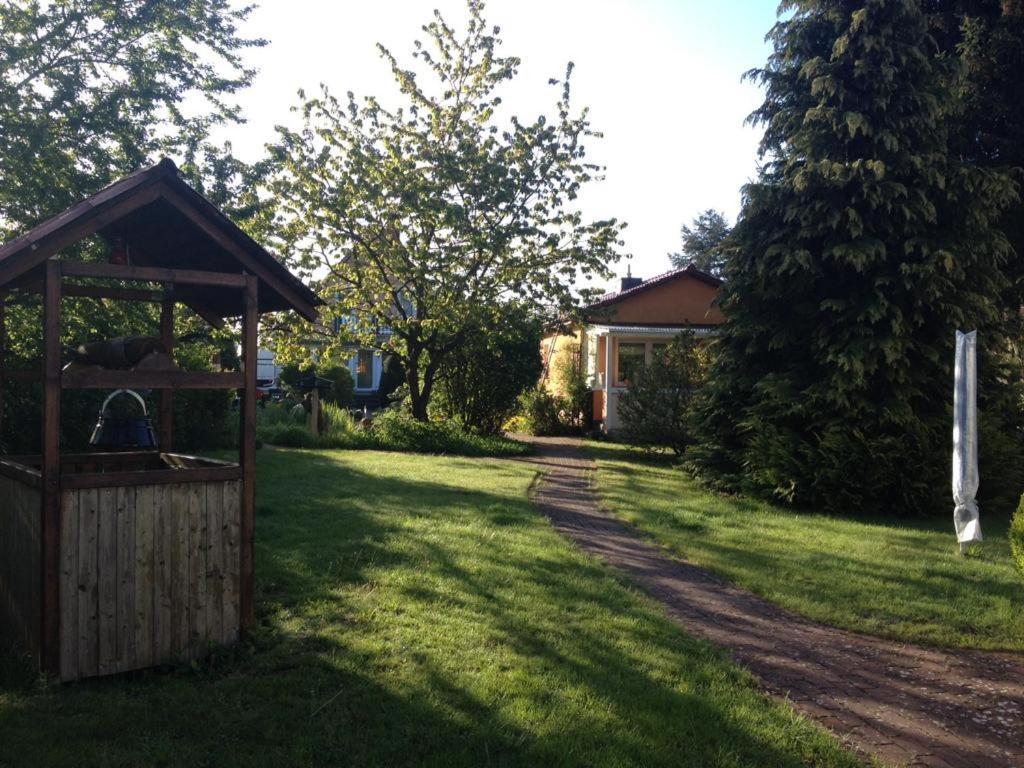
897,578
417,611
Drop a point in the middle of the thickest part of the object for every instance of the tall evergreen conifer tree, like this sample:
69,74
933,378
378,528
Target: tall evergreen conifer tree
859,251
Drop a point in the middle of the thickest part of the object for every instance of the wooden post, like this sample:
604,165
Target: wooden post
50,629
609,361
247,448
314,412
3,361
167,395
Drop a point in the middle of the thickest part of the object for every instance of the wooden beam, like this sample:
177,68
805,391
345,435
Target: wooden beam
138,294
112,292
20,472
246,259
247,449
154,274
61,237
3,360
50,629
213,320
167,395
22,377
98,378
150,477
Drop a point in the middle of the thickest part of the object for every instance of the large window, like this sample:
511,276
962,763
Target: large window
631,360
364,369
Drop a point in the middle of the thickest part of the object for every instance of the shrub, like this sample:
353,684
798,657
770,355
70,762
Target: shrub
541,412
577,397
1017,537
655,408
392,430
203,420
343,391
483,378
395,430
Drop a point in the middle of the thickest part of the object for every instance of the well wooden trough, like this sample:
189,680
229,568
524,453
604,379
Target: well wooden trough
111,562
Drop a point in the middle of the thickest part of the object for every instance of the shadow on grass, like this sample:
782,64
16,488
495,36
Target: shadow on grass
415,622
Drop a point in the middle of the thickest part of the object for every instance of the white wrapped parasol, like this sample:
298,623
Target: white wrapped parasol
965,440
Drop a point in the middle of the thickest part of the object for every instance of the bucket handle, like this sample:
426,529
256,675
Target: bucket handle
116,392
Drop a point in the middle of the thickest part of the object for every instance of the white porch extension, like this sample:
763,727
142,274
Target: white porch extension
613,351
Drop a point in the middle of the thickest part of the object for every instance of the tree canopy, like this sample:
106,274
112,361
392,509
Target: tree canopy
414,218
863,245
703,243
91,91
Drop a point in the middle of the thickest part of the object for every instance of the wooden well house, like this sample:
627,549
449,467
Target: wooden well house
119,560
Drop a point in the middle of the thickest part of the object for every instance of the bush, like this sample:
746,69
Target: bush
1017,537
482,379
656,407
541,412
392,430
577,399
396,430
343,392
203,420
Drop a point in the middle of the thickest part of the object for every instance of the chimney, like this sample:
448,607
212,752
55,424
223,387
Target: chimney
629,281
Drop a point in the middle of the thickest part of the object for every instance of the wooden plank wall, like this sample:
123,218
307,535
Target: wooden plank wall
150,575
21,508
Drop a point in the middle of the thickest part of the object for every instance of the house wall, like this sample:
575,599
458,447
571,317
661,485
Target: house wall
685,300
554,348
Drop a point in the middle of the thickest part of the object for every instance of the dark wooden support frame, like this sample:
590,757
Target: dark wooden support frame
140,207
46,473
247,446
50,630
3,357
167,395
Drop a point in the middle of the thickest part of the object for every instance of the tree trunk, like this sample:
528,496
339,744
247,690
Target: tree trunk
420,392
417,401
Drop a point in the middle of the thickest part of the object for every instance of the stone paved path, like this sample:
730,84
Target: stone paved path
902,704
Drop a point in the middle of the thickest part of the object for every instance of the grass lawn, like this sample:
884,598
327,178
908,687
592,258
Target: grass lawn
416,611
897,578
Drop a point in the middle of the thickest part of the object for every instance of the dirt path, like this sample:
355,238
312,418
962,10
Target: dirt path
903,704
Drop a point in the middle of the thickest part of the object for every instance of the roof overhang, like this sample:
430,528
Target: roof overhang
668,331
167,224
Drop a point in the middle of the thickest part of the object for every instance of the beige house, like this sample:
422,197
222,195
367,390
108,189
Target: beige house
624,330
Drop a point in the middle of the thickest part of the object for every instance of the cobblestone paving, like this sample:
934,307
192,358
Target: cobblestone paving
899,703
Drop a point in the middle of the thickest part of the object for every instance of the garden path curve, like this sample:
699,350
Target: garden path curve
903,704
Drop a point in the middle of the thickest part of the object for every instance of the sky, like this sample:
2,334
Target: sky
662,79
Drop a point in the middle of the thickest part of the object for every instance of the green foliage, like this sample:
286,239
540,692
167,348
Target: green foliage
1017,537
541,412
704,243
864,244
90,91
284,425
655,409
343,389
421,215
482,379
396,430
571,375
204,419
